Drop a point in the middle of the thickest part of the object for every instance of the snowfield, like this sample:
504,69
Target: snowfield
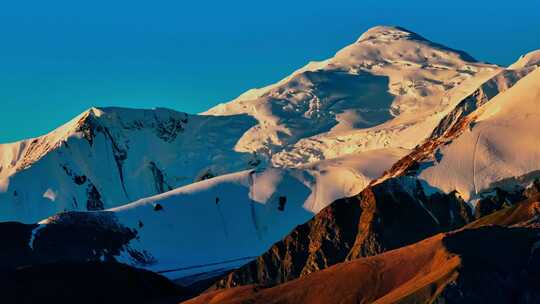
111,156
240,213
389,89
501,149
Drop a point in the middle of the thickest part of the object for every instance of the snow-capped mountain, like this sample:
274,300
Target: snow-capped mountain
111,156
167,188
488,141
386,90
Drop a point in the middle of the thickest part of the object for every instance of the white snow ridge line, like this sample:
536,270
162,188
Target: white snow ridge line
33,237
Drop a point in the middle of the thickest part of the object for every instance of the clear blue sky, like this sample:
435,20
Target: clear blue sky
58,58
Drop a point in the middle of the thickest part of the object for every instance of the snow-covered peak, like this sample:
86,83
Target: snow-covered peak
108,156
388,33
531,59
110,116
164,123
128,118
389,80
380,45
131,113
386,45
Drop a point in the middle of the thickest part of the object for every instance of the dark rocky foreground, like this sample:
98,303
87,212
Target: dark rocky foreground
91,282
491,260
72,261
78,237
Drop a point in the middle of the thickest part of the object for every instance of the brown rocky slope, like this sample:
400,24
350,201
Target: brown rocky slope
383,217
492,260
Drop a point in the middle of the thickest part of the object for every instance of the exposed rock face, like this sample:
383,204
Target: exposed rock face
76,236
94,199
492,260
451,210
159,178
386,216
495,202
452,125
393,211
167,129
380,218
72,259
533,190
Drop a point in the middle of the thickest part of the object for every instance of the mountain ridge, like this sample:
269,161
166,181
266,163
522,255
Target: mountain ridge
320,242
358,152
361,100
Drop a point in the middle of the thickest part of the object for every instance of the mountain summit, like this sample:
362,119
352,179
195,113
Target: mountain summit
386,90
106,157
396,33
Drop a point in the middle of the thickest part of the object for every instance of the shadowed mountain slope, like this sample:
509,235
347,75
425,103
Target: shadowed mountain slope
477,264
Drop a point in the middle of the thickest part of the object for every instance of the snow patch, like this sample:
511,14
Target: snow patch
50,195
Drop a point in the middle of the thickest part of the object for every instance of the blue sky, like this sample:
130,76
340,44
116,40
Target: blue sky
58,58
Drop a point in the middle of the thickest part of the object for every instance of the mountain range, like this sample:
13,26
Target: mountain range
381,174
